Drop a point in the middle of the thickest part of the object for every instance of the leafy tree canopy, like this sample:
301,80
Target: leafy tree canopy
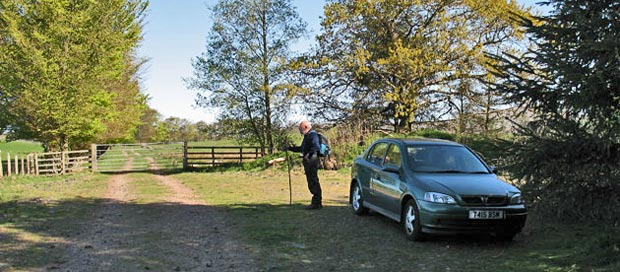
243,70
68,70
404,60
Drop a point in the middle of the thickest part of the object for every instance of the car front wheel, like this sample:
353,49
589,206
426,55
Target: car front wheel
411,221
357,201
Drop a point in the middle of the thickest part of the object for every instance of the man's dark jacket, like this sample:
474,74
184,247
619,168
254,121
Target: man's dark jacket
309,146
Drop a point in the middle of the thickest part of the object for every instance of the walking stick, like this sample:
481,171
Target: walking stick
288,167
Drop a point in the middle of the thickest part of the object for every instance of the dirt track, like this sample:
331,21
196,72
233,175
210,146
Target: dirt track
181,234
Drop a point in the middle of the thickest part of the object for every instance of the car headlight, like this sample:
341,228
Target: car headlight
438,198
517,199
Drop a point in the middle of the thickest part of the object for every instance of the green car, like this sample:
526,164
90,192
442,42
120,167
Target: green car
435,187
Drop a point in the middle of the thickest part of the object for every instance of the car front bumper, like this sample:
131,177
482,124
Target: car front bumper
454,219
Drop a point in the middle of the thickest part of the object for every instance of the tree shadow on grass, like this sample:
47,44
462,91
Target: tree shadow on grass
99,234
105,235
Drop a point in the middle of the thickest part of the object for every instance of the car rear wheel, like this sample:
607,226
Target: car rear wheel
357,201
411,221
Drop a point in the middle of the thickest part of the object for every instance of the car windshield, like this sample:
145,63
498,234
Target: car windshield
444,159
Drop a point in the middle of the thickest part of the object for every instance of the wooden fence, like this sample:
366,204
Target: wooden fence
58,163
49,163
201,156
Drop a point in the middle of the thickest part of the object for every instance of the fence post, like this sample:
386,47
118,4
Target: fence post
8,164
93,157
63,162
28,172
184,156
1,170
240,155
16,158
36,164
31,163
212,156
23,172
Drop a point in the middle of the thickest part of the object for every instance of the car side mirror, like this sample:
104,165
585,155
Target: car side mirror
493,169
391,168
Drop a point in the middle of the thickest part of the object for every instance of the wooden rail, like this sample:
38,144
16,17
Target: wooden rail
199,156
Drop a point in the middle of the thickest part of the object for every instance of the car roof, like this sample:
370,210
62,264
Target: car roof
423,141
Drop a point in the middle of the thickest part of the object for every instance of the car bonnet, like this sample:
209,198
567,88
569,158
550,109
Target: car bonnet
469,184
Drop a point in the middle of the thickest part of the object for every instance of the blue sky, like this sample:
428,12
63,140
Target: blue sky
175,32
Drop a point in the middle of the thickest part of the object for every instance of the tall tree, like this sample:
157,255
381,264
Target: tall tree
180,130
126,111
403,59
569,156
147,130
243,71
68,69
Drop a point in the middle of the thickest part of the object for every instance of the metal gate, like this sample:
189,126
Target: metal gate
137,157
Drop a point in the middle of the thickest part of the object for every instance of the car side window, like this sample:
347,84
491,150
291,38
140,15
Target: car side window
393,156
376,155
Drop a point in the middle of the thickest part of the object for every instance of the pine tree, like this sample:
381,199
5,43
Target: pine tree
569,155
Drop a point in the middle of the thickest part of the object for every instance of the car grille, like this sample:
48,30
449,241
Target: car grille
484,200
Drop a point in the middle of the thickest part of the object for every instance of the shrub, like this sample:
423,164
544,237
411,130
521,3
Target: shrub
434,134
492,150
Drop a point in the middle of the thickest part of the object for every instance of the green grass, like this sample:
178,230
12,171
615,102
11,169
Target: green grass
288,238
146,189
20,147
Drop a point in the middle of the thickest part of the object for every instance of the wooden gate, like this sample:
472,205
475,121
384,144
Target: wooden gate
197,156
137,157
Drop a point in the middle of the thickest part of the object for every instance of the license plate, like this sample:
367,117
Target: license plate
486,214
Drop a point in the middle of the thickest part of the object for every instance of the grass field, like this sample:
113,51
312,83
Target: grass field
36,214
20,147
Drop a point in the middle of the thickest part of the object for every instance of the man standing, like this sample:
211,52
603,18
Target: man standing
309,149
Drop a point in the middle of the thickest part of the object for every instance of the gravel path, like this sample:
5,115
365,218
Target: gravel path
181,234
